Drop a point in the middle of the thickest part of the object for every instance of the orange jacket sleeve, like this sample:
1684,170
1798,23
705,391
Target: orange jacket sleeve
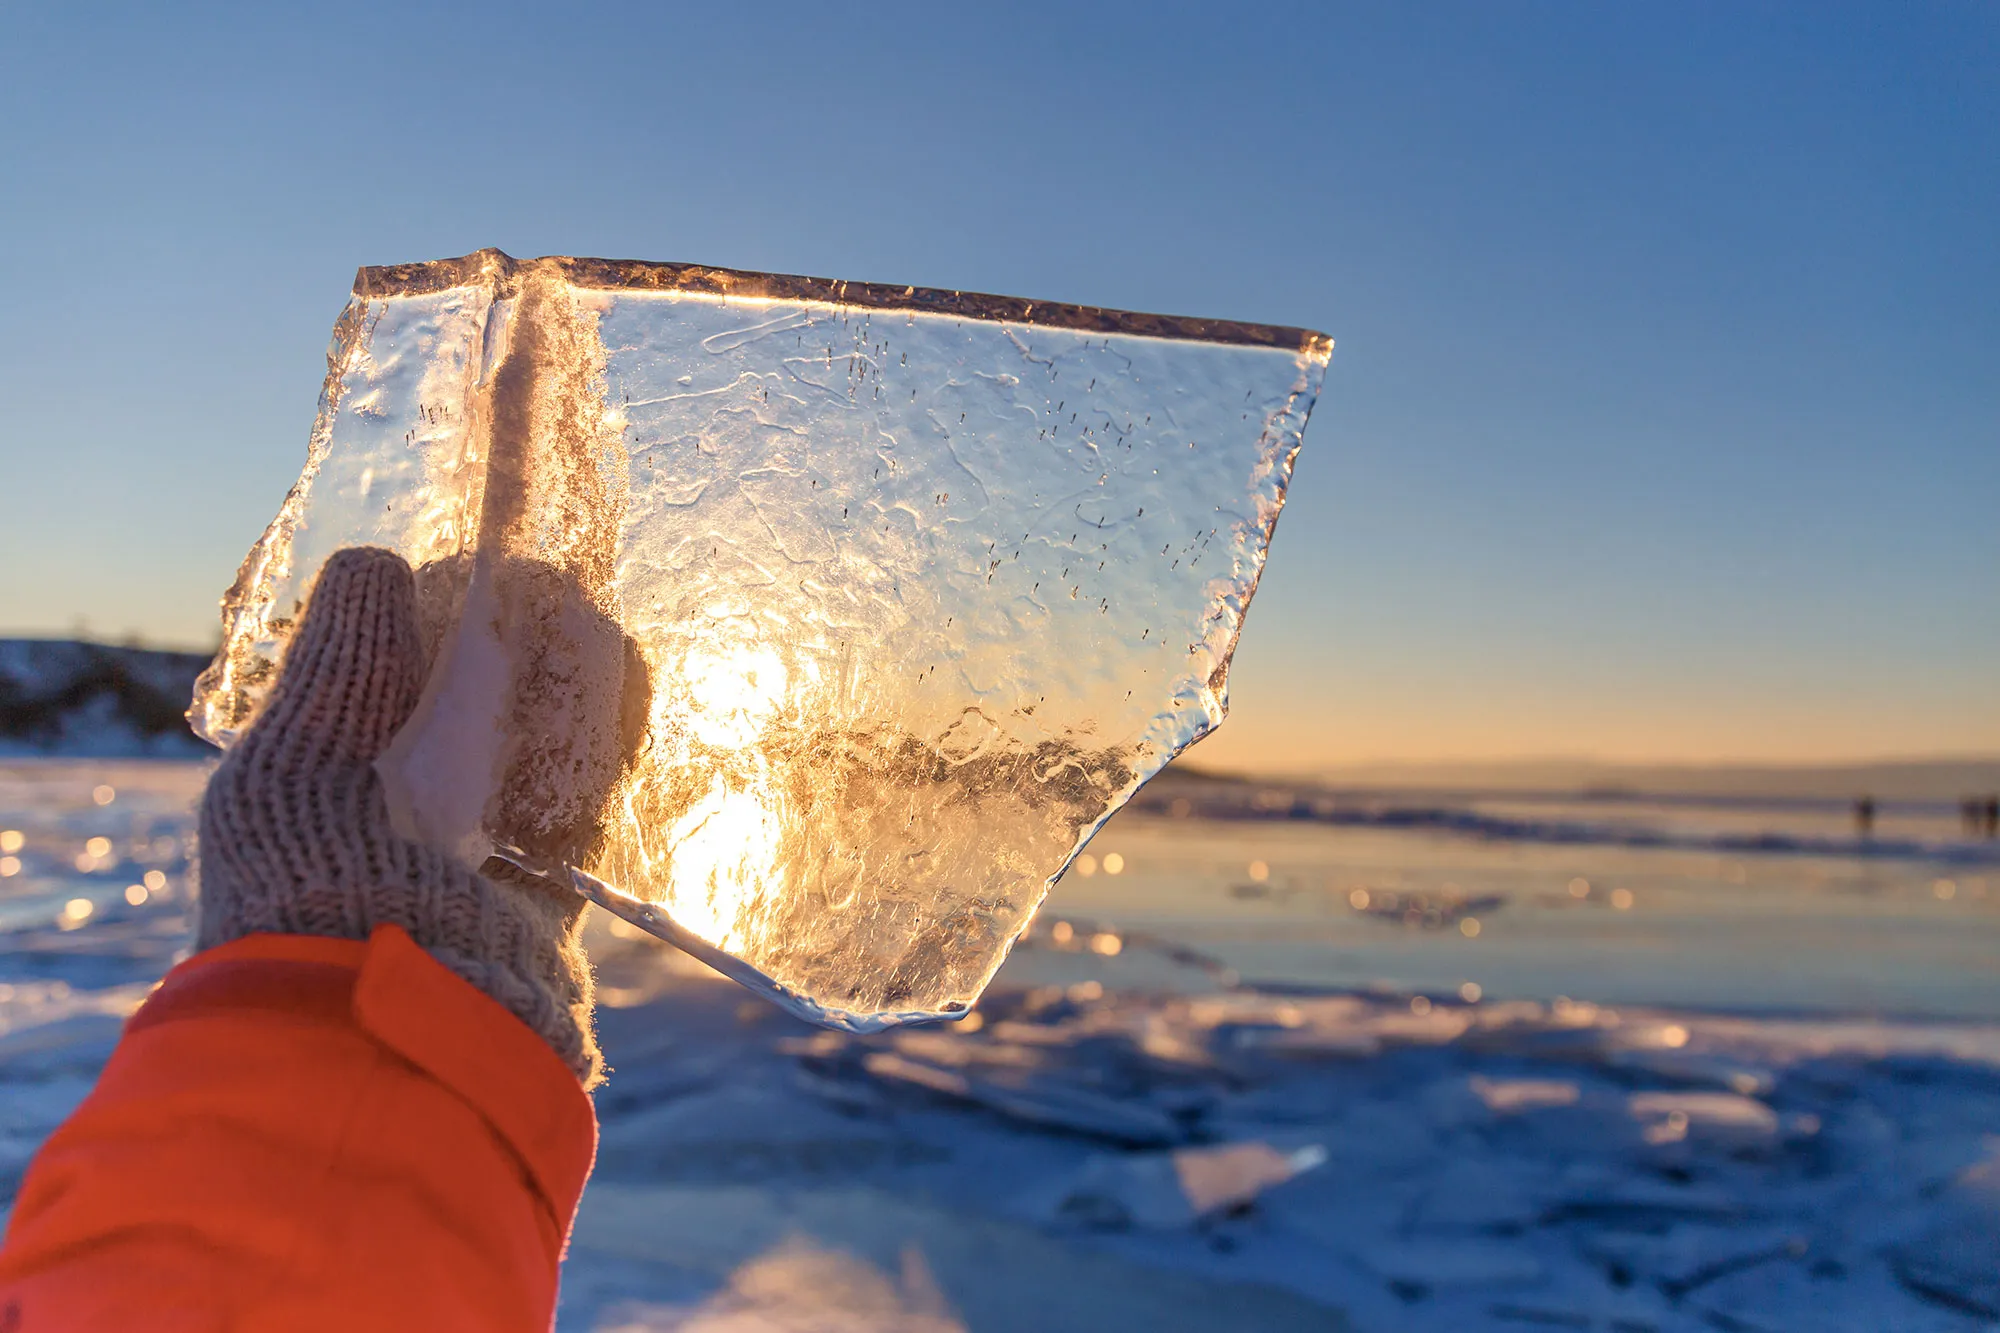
302,1134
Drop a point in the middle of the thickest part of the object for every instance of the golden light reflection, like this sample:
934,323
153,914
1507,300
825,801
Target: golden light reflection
710,787
734,694
12,840
800,814
719,855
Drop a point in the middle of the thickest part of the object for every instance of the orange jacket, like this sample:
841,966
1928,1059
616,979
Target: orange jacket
302,1134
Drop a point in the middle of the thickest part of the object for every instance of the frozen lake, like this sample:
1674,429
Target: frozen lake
1614,919
1351,906
1435,1067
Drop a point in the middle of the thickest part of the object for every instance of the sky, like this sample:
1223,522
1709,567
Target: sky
1663,422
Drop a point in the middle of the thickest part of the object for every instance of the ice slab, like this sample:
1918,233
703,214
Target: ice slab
1956,1258
1168,1191
880,599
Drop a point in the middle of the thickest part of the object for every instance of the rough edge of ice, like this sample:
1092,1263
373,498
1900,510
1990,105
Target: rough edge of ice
661,925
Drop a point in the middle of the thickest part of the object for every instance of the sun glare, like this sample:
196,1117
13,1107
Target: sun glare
734,695
721,854
724,853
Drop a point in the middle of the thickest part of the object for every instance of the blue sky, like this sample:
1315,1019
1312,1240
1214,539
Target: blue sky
1663,421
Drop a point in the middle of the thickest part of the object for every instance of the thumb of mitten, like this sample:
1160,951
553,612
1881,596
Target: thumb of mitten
293,801
355,668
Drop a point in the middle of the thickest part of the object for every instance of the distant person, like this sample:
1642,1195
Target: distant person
1972,815
1864,817
1993,815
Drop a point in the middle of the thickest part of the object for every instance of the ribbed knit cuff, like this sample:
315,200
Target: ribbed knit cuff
517,942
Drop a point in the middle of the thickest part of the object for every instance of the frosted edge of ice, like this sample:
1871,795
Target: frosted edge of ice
216,713
373,283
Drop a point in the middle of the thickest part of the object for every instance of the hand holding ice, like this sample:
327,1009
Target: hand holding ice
885,597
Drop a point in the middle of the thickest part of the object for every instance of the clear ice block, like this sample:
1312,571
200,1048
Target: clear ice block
879,600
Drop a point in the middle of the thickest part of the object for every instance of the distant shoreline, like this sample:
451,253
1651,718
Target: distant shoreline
1943,780
76,698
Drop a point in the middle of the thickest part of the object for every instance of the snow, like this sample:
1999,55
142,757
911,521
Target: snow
1084,1156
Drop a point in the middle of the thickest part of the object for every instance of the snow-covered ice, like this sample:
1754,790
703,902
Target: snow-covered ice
1090,1153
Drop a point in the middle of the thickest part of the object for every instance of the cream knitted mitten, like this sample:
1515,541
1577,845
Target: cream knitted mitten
295,831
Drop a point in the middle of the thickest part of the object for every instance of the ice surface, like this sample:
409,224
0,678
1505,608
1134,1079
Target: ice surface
1490,1172
895,594
1166,1191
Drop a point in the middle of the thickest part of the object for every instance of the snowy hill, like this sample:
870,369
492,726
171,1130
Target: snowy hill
65,697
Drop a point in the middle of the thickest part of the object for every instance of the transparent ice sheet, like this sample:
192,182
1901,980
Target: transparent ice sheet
876,602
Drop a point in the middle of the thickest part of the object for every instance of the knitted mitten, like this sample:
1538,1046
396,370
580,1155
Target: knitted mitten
295,831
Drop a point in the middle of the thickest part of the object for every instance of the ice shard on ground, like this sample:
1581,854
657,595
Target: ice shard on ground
879,600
